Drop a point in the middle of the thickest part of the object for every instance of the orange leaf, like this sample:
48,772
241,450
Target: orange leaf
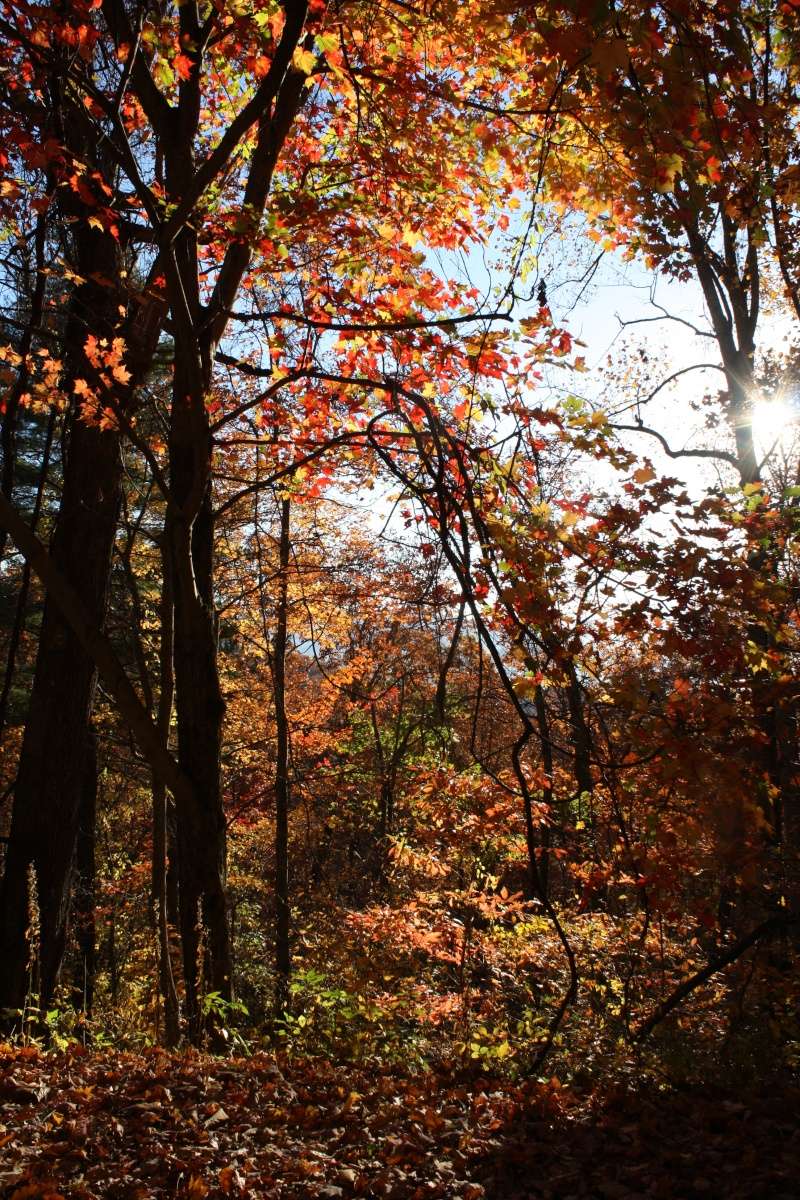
182,66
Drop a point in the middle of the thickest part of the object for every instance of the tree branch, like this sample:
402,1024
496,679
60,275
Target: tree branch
370,326
765,929
720,455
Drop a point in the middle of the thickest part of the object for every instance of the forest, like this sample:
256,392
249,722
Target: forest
399,599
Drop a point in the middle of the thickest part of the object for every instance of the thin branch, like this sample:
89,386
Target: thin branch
665,316
718,455
677,374
288,469
369,326
765,929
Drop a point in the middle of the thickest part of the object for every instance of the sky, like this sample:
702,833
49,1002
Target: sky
620,311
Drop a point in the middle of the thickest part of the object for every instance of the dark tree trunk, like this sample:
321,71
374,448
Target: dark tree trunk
282,906
50,781
20,612
731,289
84,901
581,737
543,728
159,888
201,829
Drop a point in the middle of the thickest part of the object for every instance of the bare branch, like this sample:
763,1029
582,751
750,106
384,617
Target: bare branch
765,929
665,316
718,455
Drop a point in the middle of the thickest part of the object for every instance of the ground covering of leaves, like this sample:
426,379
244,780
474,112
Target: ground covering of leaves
80,1124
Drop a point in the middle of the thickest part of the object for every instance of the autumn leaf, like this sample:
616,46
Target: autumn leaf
304,60
182,65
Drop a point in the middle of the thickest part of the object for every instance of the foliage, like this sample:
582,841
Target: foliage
382,690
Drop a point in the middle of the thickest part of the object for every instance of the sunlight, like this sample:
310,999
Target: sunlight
774,424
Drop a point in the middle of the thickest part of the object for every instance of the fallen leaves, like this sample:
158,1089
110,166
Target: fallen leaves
130,1127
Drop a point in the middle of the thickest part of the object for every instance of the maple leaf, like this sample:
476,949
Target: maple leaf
92,350
713,169
304,60
183,66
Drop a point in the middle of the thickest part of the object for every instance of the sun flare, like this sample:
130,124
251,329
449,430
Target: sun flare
775,425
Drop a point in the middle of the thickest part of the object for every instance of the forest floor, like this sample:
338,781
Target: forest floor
80,1124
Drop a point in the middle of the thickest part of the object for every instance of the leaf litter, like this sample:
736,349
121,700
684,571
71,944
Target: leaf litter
80,1124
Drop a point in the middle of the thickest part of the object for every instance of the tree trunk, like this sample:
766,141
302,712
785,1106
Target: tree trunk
20,612
543,729
84,901
47,795
201,828
282,907
159,890
50,782
734,328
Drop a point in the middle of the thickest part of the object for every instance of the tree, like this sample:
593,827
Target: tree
153,160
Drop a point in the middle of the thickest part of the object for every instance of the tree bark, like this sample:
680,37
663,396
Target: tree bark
84,900
189,532
201,826
159,890
282,905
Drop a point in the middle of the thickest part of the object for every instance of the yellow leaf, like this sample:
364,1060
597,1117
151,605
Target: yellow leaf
526,687
304,60
667,167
